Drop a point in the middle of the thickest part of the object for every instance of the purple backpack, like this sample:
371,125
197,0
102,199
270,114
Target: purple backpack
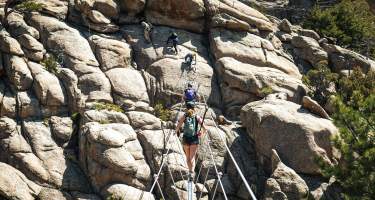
190,94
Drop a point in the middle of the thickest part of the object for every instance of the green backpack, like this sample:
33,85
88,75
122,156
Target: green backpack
190,126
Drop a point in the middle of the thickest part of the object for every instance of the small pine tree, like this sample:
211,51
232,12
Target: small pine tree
320,81
355,118
350,22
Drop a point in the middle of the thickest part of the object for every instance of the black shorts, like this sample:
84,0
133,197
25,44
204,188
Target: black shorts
190,140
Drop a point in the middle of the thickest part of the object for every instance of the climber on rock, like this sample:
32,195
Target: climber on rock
147,28
189,58
174,39
191,135
190,95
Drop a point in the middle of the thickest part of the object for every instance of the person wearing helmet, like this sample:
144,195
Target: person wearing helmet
189,58
190,122
190,94
174,39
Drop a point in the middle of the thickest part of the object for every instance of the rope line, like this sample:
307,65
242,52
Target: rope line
233,160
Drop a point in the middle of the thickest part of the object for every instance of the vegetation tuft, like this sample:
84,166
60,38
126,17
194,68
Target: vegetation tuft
162,112
266,91
107,106
350,22
50,64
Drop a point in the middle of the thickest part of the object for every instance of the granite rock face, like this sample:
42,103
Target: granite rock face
88,105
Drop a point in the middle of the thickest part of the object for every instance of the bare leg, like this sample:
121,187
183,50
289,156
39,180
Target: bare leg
193,149
187,154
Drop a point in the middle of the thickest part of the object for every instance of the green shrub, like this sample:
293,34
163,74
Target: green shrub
113,197
29,6
266,91
350,22
46,121
107,106
50,64
319,81
161,112
75,116
355,117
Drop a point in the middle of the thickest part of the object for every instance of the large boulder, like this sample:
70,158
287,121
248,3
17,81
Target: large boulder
111,53
171,79
250,48
17,26
241,83
14,185
344,59
308,49
19,153
127,84
285,180
18,72
28,105
111,153
297,135
60,38
56,8
126,192
47,86
33,49
9,45
133,7
63,173
144,121
189,15
235,15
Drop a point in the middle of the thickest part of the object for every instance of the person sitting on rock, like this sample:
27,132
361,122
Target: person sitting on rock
191,135
174,39
189,58
190,94
147,31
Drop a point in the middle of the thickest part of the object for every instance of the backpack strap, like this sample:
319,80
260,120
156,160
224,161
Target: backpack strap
196,124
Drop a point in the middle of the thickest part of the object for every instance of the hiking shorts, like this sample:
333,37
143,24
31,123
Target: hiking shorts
190,140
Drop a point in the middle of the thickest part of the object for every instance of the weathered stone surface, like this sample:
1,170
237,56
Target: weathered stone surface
241,83
17,26
127,84
314,107
182,14
144,53
241,17
61,127
110,153
126,192
97,17
9,45
343,59
111,53
74,94
14,185
133,7
300,136
308,49
144,121
309,33
28,105
47,87
56,8
249,48
29,42
63,173
285,26
109,8
8,102
291,184
105,116
19,153
168,72
18,72
49,193
59,37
